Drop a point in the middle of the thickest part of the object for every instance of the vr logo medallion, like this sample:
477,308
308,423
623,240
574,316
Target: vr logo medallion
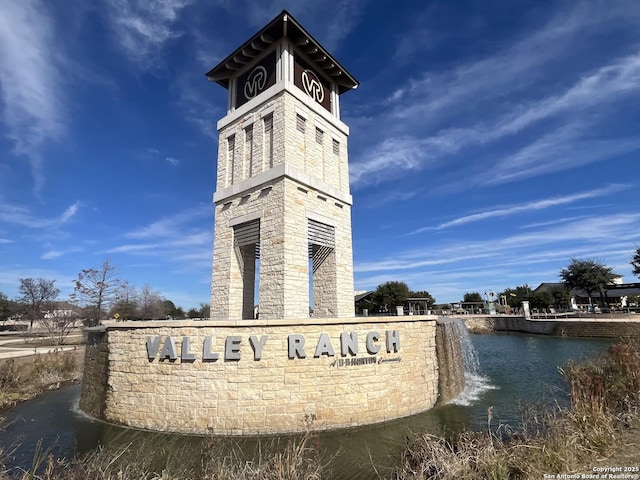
255,82
312,85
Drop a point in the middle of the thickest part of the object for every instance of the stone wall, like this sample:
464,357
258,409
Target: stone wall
95,373
600,328
253,386
451,379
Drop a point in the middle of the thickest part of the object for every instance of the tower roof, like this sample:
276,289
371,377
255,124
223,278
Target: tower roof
284,25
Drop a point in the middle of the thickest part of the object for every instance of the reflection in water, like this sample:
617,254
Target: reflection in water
520,369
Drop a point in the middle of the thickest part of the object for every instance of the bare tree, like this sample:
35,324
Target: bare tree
37,297
151,303
60,320
96,288
126,305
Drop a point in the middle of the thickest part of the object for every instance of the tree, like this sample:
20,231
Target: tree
515,296
126,305
170,310
635,263
633,300
37,297
60,320
390,295
151,304
587,275
193,313
97,287
6,307
540,300
205,310
473,297
561,297
423,294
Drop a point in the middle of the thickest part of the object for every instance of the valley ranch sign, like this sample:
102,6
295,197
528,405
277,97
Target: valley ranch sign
165,349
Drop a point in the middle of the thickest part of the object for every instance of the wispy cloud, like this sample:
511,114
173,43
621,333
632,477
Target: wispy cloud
510,210
498,99
174,162
32,85
172,225
555,221
574,238
51,254
20,215
143,27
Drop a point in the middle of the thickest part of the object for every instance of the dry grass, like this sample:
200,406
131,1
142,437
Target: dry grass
159,458
605,400
23,378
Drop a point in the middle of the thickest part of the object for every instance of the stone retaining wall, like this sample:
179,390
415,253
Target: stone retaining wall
569,328
237,378
95,374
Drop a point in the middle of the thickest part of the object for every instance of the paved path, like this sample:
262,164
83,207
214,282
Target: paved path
25,350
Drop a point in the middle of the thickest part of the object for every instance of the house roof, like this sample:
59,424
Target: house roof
283,25
362,296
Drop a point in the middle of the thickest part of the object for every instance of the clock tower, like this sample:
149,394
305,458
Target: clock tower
283,208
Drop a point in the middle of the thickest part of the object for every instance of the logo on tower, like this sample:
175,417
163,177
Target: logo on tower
312,85
255,82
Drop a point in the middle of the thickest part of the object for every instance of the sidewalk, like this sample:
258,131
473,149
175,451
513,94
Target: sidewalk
25,350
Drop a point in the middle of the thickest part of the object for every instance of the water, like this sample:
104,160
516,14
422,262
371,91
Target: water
509,370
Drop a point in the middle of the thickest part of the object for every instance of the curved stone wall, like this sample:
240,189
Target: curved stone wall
260,377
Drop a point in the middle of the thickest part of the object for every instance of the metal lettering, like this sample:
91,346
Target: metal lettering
232,348
312,86
324,347
169,349
153,344
296,346
373,337
185,354
393,341
207,355
257,346
348,343
255,82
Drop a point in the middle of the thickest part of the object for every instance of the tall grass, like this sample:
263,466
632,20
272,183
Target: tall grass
605,400
23,378
160,458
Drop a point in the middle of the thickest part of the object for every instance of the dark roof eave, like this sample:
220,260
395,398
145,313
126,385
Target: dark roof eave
282,25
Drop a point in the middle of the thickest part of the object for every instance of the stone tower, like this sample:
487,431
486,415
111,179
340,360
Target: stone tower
283,208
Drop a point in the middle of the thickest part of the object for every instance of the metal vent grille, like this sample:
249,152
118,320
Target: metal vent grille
321,242
321,234
247,234
300,123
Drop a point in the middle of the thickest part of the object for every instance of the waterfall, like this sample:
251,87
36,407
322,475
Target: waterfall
460,378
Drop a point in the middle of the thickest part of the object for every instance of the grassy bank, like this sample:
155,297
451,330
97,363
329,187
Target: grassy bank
602,417
601,420
23,378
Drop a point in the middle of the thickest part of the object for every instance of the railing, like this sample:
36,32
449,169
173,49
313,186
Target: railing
626,314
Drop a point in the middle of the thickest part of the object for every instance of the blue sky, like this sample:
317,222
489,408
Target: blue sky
490,141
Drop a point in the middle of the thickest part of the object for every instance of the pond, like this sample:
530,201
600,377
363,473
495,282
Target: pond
514,369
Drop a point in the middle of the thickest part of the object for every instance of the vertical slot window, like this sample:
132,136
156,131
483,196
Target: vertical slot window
300,123
268,140
336,147
248,152
231,158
